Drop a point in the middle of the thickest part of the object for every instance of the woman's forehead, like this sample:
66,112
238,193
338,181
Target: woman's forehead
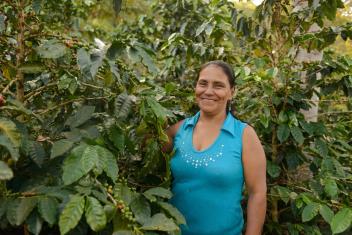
213,73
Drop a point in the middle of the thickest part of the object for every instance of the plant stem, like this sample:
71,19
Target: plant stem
20,52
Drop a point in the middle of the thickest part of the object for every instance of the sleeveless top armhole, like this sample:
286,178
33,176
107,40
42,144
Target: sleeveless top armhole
178,132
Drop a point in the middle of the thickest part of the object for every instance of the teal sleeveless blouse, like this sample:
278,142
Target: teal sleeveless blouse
207,185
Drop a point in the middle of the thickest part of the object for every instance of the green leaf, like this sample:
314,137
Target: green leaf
283,192
283,132
322,148
272,72
19,209
108,162
51,49
116,49
36,5
123,105
117,6
326,213
60,147
273,169
159,111
330,187
124,193
141,209
89,158
71,214
84,62
297,134
201,28
5,172
117,137
72,167
82,115
95,214
173,211
34,223
147,60
37,153
2,23
6,142
341,221
48,209
158,191
9,129
310,211
160,222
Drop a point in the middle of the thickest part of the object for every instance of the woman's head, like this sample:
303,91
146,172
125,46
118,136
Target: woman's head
215,87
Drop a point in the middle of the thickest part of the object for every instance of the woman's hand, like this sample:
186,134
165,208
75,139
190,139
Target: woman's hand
254,164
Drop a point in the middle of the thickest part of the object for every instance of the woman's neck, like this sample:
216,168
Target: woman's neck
212,118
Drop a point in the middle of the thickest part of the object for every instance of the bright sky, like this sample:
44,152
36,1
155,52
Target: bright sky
257,2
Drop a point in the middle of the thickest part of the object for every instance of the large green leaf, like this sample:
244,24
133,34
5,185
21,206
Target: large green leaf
173,211
71,214
13,137
326,213
35,223
158,191
51,49
283,132
108,162
123,105
330,187
89,158
159,111
5,171
6,142
36,152
60,147
160,222
95,214
297,134
19,209
82,115
48,209
72,166
9,129
141,209
117,136
322,148
310,211
342,220
273,169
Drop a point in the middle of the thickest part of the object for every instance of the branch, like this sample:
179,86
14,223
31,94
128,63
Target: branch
71,101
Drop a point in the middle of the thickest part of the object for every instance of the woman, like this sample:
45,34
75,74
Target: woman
214,154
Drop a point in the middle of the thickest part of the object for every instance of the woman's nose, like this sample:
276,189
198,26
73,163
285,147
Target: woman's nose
208,90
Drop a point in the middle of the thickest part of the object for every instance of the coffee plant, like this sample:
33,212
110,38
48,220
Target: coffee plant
83,111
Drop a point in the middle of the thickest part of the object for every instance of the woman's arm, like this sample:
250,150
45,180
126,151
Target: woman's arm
254,164
171,132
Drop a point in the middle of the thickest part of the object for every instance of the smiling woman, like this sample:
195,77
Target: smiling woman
215,153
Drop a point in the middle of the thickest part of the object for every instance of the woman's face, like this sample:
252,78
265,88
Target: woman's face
213,90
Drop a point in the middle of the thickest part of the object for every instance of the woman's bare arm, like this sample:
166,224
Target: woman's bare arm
171,132
254,164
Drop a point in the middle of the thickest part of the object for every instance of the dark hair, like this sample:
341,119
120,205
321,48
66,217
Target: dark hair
226,68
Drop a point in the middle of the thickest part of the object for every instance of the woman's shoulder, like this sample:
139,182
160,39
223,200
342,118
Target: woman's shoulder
173,129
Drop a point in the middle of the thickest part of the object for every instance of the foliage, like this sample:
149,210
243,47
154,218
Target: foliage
83,122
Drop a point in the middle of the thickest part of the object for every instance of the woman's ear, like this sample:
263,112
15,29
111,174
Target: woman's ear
233,92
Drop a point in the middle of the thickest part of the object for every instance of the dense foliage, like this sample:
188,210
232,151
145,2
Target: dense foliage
83,111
